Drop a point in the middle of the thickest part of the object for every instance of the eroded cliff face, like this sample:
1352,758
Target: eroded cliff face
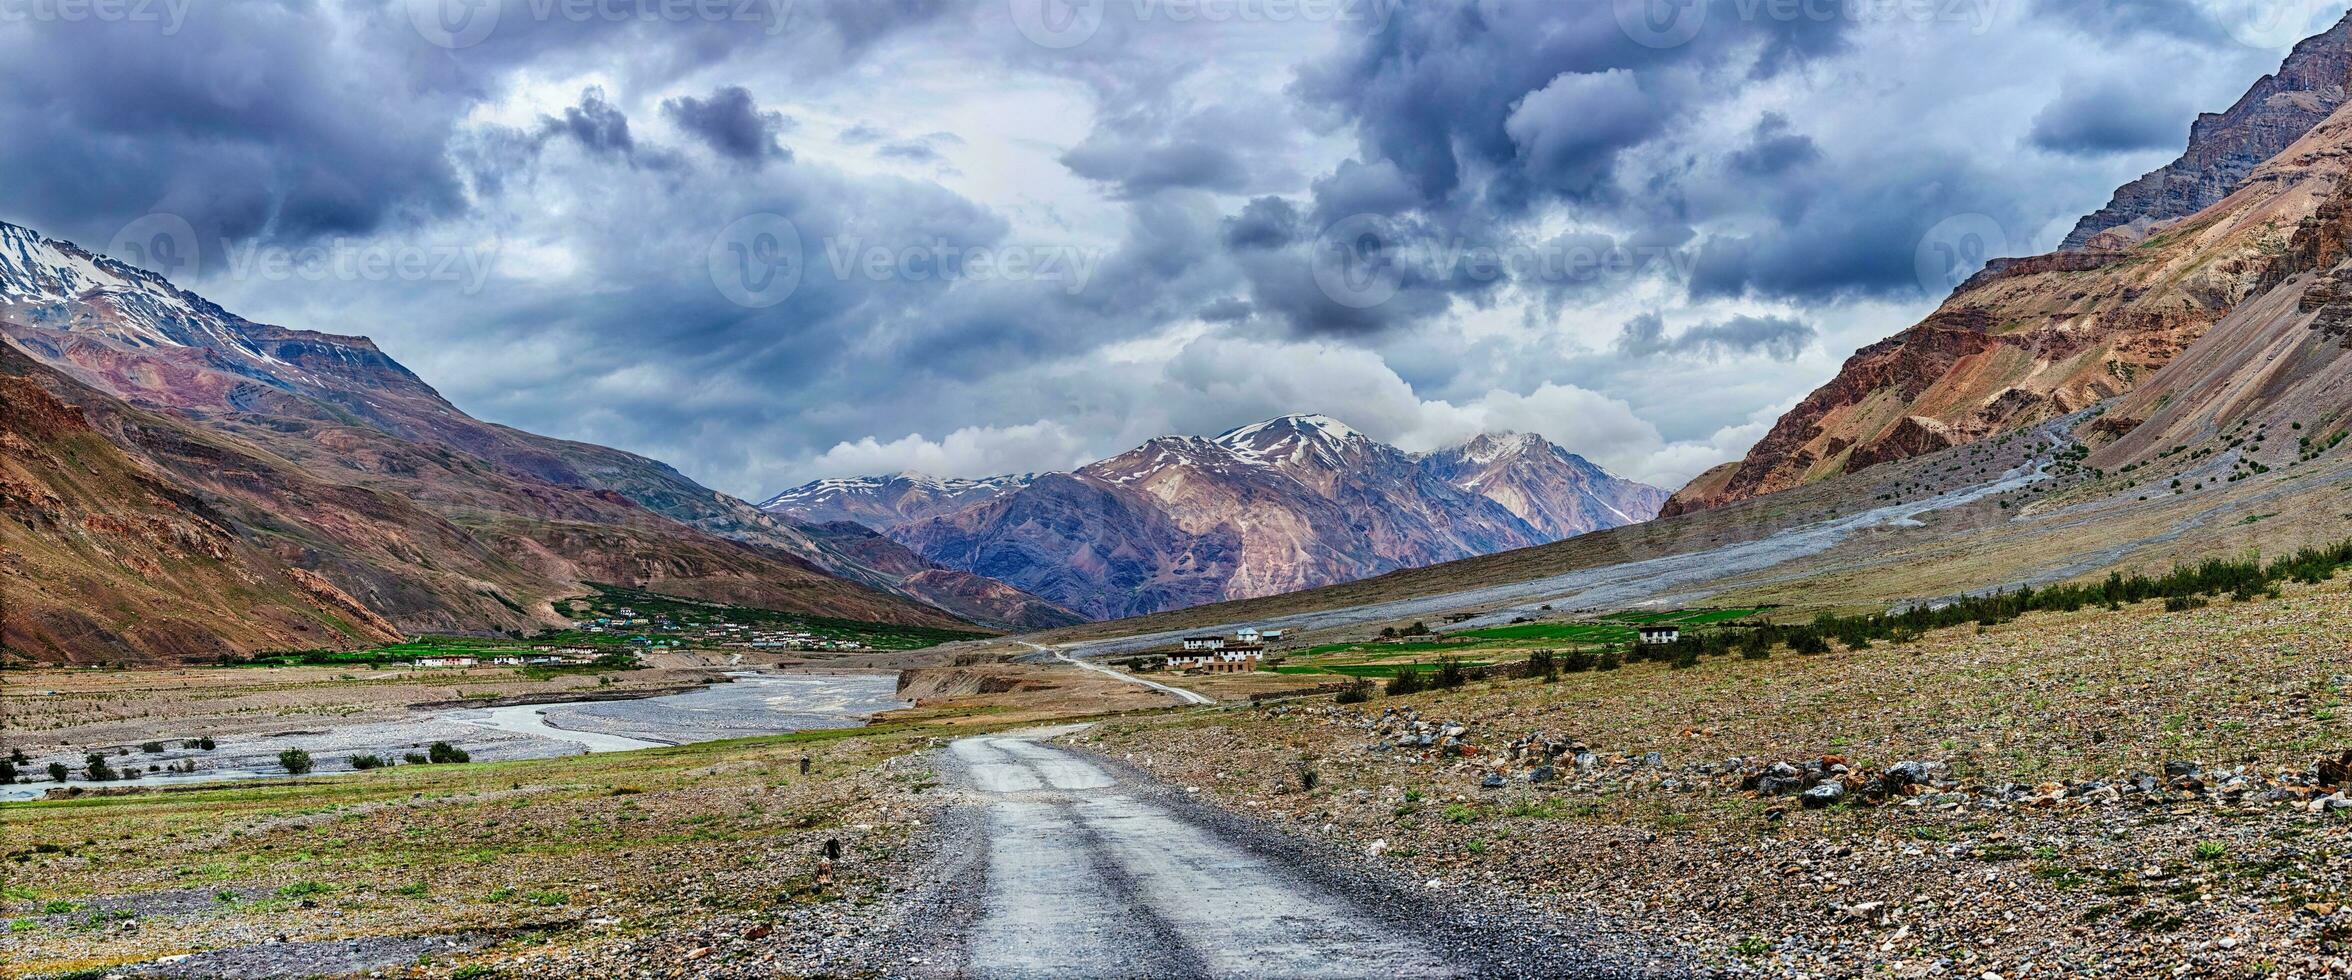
2225,147
2035,338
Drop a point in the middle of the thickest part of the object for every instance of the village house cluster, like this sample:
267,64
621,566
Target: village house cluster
1240,653
661,632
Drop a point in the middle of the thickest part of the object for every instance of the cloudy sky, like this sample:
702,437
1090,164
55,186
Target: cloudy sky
775,240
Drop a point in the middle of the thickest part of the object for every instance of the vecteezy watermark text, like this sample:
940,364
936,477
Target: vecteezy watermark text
1673,23
169,13
344,261
465,23
1363,261
759,260
1069,23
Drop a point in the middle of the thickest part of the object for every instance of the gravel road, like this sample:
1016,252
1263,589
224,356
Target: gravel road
1078,866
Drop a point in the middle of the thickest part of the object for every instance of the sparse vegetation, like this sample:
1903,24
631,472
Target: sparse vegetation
295,761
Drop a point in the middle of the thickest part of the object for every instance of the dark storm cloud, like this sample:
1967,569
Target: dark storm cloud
732,124
1268,222
1773,149
1775,337
1473,118
242,122
595,125
2093,118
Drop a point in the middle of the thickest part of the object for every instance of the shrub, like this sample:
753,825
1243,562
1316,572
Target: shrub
1609,660
296,761
1756,645
1808,642
151,748
1449,675
368,762
98,770
440,752
2183,603
1578,661
17,756
415,759
1357,692
206,743
7,772
1686,659
1541,663
57,772
1408,681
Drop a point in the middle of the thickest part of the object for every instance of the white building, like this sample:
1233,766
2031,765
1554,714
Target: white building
1229,660
1196,644
1246,634
1659,634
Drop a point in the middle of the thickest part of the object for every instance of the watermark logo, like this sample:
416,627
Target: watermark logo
1662,23
454,24
757,262
162,243
2274,24
170,14
1355,264
1058,24
1955,249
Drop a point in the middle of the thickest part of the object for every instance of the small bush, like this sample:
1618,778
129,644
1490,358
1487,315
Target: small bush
1355,693
443,752
7,772
1541,663
2184,603
1578,661
1449,675
151,748
368,762
415,759
295,761
1610,660
1408,681
97,770
57,772
1686,659
206,743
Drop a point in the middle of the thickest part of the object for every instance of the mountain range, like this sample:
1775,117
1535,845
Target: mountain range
183,482
1286,504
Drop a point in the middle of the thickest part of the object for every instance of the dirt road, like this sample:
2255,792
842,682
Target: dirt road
1082,868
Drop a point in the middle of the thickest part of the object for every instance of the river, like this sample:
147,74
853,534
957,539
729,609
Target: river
752,704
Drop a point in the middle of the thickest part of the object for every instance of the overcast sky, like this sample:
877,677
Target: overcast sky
775,240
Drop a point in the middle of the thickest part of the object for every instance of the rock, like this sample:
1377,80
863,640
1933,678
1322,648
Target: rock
1824,795
1542,774
2177,770
697,953
761,931
1493,780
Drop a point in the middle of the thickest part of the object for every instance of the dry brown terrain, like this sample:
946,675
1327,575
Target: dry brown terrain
2033,853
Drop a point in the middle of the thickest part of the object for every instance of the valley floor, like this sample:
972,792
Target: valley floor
2133,793
2120,793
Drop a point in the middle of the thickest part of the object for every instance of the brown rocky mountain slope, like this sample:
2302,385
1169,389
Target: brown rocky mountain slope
2224,147
489,522
2033,339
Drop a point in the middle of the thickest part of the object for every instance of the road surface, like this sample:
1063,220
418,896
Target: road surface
1087,870
1180,694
